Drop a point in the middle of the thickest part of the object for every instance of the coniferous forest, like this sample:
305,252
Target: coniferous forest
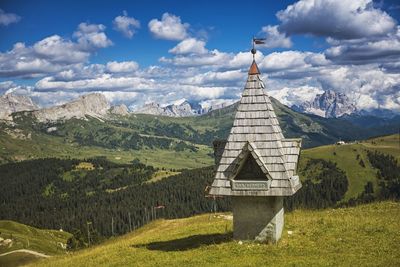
51,193
388,174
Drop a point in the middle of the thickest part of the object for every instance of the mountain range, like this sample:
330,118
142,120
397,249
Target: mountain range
94,105
182,109
328,105
94,127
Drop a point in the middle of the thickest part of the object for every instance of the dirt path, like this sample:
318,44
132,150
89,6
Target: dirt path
26,251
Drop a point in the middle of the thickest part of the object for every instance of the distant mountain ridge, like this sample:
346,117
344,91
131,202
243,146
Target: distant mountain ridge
94,105
184,109
328,105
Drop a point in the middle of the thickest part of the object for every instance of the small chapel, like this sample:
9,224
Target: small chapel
256,166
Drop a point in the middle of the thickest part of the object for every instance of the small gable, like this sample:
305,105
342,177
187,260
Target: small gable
250,170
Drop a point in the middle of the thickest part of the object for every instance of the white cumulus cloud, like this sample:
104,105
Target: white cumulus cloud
189,46
362,51
212,58
54,53
124,66
295,95
92,36
59,50
126,25
169,27
344,19
274,38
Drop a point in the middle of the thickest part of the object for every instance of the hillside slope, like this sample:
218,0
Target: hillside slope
28,238
333,237
156,140
348,157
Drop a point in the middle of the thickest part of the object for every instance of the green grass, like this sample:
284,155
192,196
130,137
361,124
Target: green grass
27,237
176,159
17,259
385,144
366,235
345,156
159,175
45,146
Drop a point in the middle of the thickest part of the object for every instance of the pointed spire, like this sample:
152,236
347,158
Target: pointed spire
254,68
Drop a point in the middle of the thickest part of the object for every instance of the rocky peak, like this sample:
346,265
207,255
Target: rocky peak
151,108
183,109
179,109
95,105
119,110
10,103
328,104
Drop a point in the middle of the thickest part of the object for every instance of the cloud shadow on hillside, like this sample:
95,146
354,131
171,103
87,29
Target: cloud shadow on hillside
187,243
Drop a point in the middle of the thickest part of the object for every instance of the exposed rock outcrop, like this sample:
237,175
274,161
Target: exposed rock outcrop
119,110
95,105
10,103
184,109
328,105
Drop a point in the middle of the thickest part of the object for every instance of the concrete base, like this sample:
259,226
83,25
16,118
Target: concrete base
257,218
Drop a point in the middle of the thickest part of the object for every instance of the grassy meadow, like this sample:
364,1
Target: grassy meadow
365,235
49,242
28,237
45,146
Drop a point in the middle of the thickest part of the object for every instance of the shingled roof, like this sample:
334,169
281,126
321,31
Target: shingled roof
257,136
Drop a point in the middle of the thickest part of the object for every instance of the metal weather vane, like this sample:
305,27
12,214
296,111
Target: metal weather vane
256,41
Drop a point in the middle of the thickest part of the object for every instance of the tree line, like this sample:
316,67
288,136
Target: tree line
111,191
324,185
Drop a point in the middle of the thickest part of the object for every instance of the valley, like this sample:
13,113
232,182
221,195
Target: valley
121,172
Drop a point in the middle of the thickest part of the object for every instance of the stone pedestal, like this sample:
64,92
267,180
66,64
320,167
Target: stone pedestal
257,218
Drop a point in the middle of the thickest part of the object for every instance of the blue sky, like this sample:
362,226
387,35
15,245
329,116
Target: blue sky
229,25
137,52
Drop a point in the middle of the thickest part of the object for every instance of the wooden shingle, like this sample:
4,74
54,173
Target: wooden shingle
256,133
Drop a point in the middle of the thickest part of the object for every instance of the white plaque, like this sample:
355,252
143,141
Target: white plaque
250,185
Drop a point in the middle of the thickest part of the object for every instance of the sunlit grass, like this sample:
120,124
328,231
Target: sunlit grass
42,146
366,235
27,237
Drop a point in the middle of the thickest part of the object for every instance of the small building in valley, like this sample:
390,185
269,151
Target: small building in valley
256,165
